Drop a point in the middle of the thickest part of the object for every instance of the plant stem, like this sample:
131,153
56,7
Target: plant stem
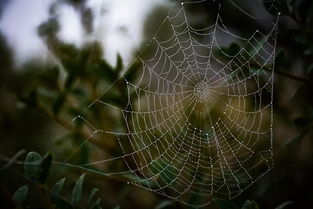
282,73
95,173
69,127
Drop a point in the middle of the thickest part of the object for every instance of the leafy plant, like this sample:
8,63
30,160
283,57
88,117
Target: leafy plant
37,170
58,92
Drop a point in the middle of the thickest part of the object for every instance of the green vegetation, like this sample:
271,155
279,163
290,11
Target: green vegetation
39,101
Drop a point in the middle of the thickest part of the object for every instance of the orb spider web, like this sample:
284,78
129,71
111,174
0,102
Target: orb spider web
197,121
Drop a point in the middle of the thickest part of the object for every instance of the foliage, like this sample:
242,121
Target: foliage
58,92
35,168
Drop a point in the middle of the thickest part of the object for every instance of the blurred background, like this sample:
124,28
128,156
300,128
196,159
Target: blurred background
57,56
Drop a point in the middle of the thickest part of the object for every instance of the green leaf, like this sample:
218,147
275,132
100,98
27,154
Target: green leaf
79,92
77,191
233,49
60,203
164,204
58,104
224,204
20,195
58,186
45,166
49,77
297,138
92,194
119,64
37,168
32,166
49,27
106,71
284,205
117,207
310,70
130,74
96,205
250,205
308,51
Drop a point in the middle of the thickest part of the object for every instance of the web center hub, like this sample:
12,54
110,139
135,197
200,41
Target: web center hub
202,92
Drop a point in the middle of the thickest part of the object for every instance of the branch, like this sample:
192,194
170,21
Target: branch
95,173
70,128
282,73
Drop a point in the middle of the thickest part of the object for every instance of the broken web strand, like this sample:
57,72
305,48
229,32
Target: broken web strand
201,162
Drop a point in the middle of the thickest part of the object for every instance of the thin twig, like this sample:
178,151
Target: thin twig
69,127
282,73
94,173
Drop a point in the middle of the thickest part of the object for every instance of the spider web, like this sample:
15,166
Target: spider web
197,122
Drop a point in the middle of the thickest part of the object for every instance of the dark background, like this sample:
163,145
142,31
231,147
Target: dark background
36,112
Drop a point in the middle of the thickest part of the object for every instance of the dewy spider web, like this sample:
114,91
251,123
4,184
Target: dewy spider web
198,118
